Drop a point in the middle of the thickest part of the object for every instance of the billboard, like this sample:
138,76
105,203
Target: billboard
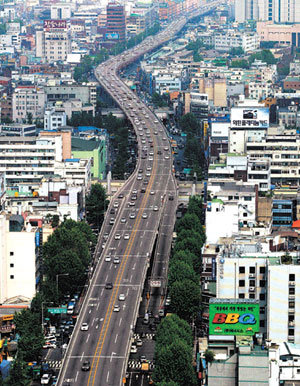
55,24
220,129
250,117
233,317
113,36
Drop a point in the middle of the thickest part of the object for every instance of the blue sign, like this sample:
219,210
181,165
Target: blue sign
37,238
113,36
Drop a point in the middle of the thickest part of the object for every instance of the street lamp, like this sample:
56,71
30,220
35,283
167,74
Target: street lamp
57,276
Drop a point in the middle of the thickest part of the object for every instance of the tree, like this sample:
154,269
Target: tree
29,118
96,204
187,257
167,383
55,221
189,222
236,51
186,298
189,124
197,57
264,55
243,63
174,363
19,373
158,100
173,327
179,271
209,356
195,206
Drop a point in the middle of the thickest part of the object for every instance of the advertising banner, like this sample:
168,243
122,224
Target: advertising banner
233,318
55,24
250,117
113,36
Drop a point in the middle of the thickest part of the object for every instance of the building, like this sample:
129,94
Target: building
86,93
15,129
28,101
19,258
249,42
93,149
61,11
287,34
54,119
246,10
115,22
281,11
53,43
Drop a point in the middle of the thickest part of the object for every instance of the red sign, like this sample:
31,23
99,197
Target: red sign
55,24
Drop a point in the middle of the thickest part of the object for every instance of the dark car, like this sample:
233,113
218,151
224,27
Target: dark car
86,366
121,195
109,285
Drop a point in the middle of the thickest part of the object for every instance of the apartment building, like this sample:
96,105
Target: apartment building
86,93
283,152
28,100
54,119
115,21
15,129
226,41
53,43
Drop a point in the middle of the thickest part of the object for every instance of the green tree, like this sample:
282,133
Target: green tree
158,100
197,57
167,383
2,29
55,221
189,124
174,363
236,51
186,298
195,206
189,221
96,204
243,63
209,356
180,271
173,327
19,373
187,257
184,233
264,55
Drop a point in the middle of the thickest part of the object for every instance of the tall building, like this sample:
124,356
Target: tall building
115,22
278,11
54,42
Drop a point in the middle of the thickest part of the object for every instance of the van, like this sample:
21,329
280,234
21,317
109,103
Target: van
146,319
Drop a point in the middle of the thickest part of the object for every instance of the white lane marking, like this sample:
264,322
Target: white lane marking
102,291
133,268
127,292
130,279
96,356
93,321
82,355
90,311
106,277
87,339
116,338
107,376
98,304
76,376
120,322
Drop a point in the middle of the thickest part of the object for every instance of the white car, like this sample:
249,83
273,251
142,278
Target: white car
122,297
116,308
167,157
108,258
116,260
132,215
152,192
84,327
123,220
116,204
126,236
155,208
144,215
117,236
45,379
49,345
133,349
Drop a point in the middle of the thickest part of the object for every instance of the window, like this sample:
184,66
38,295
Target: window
262,297
242,283
291,277
252,283
262,323
12,276
251,296
252,269
262,269
291,332
247,198
261,310
11,253
245,214
291,304
262,283
292,291
11,265
241,296
241,269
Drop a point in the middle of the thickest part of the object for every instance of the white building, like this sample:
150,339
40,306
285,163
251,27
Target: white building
54,119
28,100
17,260
167,83
247,41
61,11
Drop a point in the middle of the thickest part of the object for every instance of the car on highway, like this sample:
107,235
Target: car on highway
150,158
126,236
133,197
107,258
111,221
139,177
144,215
139,342
152,192
116,260
167,157
49,345
121,195
116,308
84,327
116,204
132,215
109,285
155,208
117,236
133,349
134,191
131,203
86,366
122,297
123,220
105,236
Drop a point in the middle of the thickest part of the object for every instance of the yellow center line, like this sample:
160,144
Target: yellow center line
109,311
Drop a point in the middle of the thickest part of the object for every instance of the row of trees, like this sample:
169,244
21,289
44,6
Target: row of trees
264,55
173,353
194,149
174,341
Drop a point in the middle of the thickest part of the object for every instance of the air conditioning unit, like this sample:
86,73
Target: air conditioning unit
251,274
291,323
252,289
291,283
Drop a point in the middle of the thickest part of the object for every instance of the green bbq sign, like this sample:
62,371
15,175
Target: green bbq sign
233,317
